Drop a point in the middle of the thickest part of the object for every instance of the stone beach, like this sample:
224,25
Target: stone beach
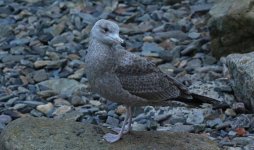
44,90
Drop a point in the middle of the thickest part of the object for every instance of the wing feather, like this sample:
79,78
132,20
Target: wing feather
142,78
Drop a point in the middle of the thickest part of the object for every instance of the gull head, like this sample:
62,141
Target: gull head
106,32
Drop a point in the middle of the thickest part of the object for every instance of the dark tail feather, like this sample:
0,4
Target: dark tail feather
197,100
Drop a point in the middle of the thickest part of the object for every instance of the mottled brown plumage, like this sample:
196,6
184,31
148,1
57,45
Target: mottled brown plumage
126,78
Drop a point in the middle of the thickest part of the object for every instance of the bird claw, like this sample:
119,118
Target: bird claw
111,138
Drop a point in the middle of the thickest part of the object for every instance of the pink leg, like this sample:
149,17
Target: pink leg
111,138
128,129
130,119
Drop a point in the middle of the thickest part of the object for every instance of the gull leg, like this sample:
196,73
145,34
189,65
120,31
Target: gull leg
125,131
130,119
111,138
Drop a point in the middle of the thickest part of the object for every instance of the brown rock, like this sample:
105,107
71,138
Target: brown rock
42,133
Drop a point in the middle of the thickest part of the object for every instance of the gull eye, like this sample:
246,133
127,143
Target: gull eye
104,30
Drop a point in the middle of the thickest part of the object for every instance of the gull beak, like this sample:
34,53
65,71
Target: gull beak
117,38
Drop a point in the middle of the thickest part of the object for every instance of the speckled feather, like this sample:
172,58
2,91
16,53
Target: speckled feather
126,78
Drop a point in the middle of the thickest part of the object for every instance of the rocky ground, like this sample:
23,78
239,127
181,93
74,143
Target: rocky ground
42,49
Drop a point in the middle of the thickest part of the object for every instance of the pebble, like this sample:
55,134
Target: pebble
60,102
230,112
194,35
196,117
120,110
95,102
77,101
46,108
5,119
242,141
151,49
62,110
112,121
177,128
40,75
148,39
138,127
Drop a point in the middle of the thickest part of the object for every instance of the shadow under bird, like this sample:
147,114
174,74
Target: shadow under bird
128,79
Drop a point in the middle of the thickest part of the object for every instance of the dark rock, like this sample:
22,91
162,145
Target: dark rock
239,107
231,27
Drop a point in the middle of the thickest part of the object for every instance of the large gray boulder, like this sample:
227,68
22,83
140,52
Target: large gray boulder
241,68
231,27
49,134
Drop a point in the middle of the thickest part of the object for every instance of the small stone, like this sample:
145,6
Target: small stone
36,113
194,63
243,141
71,115
214,122
196,117
121,109
14,114
62,110
5,119
41,63
77,74
239,107
11,101
49,64
77,101
73,57
40,75
61,102
230,112
162,117
138,127
167,68
46,93
9,59
2,126
152,124
177,128
63,86
232,133
148,39
112,121
21,41
194,35
95,102
46,108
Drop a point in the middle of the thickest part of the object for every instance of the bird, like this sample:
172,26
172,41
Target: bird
129,79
